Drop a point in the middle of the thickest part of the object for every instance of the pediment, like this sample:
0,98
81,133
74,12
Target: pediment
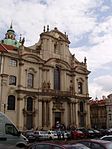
32,58
54,61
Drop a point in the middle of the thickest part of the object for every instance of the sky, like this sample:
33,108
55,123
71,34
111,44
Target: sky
88,24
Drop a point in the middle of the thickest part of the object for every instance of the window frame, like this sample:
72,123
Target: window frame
12,80
11,102
13,62
30,80
80,87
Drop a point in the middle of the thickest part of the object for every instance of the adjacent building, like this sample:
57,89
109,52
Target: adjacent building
109,110
43,84
98,114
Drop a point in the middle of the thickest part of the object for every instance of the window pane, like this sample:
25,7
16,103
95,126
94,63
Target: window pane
29,104
13,62
10,129
57,79
12,80
80,87
11,102
30,80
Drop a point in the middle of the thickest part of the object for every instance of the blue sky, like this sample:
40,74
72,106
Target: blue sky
88,25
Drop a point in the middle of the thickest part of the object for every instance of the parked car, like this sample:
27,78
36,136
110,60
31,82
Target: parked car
9,134
77,134
45,145
75,146
96,144
107,138
8,146
97,133
41,135
85,131
91,133
104,132
30,135
52,134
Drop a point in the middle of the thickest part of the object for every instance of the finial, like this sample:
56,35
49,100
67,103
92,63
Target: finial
44,29
47,28
11,25
20,38
23,40
55,28
85,60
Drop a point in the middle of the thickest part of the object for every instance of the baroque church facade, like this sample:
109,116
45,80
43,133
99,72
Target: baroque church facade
43,84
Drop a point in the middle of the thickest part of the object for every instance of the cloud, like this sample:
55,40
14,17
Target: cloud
101,86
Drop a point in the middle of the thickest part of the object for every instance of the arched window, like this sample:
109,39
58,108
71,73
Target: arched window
11,102
29,104
57,78
30,80
80,87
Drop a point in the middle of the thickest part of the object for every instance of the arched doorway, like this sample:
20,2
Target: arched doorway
57,117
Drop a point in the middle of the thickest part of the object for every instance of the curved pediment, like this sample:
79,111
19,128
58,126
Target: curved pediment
54,61
32,58
80,69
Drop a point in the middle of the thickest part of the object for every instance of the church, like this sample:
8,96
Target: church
43,84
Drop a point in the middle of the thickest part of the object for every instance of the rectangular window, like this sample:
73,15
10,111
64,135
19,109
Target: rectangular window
12,80
30,80
11,103
80,87
13,62
57,78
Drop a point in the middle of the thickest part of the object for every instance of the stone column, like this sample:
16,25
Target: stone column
88,123
44,113
50,115
77,117
71,113
40,114
20,116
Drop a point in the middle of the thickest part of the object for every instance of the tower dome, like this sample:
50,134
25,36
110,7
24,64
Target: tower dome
10,38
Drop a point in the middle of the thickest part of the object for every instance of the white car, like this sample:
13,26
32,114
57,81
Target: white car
41,135
52,134
107,138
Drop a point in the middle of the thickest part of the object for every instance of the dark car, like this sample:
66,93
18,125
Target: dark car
91,133
46,145
97,133
8,146
97,144
75,146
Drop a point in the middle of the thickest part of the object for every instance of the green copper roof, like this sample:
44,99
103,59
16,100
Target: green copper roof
10,38
11,42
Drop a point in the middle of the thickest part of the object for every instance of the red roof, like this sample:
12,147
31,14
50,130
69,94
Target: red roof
101,101
6,48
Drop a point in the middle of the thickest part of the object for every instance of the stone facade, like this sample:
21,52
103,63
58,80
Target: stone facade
43,84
